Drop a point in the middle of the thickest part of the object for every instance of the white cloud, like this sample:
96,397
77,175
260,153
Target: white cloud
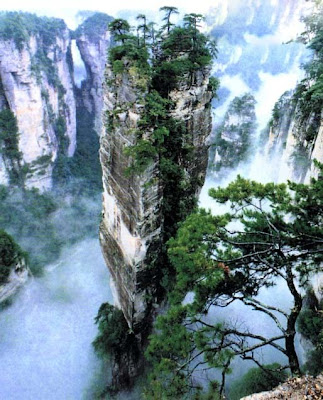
272,87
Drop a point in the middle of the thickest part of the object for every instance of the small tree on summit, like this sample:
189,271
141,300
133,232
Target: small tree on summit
168,11
143,27
120,29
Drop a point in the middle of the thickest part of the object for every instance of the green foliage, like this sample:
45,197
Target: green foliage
129,52
217,263
9,147
168,58
214,85
60,133
25,215
20,26
10,255
113,331
154,119
183,52
174,338
314,364
44,223
85,164
61,170
310,325
177,55
118,67
94,26
120,30
309,93
280,107
143,152
42,63
168,13
257,380
9,135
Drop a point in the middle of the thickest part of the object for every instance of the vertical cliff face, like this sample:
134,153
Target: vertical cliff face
129,202
297,126
36,84
295,141
93,40
135,217
235,137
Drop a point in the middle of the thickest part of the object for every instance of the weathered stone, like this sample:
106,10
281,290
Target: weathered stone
305,387
132,223
93,51
288,144
36,103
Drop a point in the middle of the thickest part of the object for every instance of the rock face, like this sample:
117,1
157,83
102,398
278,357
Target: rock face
234,138
133,223
93,40
93,50
36,83
295,139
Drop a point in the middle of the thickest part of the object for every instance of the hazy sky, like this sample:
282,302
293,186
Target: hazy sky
108,6
67,9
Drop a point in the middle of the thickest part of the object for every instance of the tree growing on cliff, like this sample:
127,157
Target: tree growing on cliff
10,255
168,13
272,233
9,148
120,29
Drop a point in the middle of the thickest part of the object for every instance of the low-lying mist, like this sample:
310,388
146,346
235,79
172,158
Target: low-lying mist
43,223
46,334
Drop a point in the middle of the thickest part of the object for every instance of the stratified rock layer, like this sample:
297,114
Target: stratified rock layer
133,220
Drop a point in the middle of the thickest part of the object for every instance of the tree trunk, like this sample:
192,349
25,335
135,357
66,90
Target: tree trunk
291,324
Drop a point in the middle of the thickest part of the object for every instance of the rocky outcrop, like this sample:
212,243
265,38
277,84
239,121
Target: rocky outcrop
305,387
17,278
134,216
37,86
13,267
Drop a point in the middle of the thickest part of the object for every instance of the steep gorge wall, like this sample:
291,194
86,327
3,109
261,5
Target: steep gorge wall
37,87
295,141
58,123
93,51
132,231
